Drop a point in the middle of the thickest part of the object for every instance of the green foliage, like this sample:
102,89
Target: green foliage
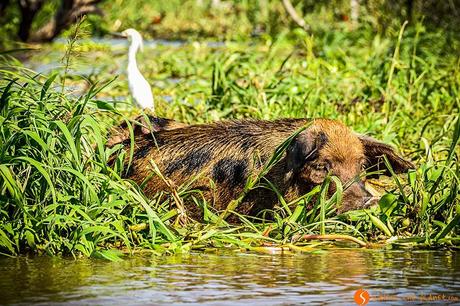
57,193
59,196
243,19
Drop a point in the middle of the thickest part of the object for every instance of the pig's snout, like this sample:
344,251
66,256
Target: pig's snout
356,197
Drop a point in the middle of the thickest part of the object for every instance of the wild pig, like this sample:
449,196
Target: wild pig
226,153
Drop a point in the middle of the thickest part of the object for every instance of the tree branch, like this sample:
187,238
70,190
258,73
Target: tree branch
68,13
292,12
28,9
3,5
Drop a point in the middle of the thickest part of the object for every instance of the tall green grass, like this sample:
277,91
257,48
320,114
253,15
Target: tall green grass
57,193
59,196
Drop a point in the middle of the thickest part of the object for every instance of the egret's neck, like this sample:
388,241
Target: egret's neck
132,54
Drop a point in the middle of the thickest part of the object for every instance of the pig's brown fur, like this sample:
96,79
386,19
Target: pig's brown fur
228,152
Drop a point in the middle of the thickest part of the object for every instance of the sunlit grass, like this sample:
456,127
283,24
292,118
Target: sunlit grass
59,196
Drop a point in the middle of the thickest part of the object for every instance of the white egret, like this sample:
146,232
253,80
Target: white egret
138,85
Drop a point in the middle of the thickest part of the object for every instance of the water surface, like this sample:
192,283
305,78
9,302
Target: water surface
234,278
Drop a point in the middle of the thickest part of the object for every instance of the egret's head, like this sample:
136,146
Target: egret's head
134,37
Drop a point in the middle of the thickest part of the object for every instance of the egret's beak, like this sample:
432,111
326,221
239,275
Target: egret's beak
118,34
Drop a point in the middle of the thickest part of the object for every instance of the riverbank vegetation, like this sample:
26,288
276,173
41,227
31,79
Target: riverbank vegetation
59,196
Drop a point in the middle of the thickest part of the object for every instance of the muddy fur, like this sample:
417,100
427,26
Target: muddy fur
225,153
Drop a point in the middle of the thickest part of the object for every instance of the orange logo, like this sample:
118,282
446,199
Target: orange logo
361,297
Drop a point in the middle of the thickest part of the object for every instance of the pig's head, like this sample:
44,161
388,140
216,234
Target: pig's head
328,146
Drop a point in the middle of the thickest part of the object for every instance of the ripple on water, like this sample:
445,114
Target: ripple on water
230,279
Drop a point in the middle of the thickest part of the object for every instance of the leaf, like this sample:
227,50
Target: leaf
105,105
30,238
154,219
112,255
6,94
84,179
69,141
388,203
380,225
47,85
6,242
11,183
40,169
37,139
446,230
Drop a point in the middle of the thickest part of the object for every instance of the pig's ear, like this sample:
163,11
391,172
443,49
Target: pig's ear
304,148
120,133
374,152
142,125
157,124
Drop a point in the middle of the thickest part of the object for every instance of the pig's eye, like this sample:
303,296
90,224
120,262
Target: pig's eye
363,165
321,167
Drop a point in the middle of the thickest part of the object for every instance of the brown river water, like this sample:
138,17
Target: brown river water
330,276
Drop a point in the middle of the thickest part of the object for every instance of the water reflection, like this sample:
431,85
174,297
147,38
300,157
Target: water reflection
231,278
117,42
